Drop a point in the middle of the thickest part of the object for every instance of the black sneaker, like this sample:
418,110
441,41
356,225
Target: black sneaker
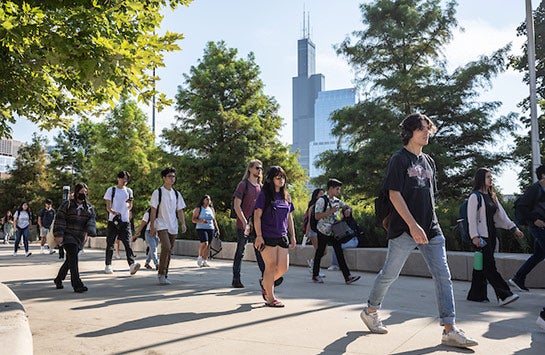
81,289
352,279
58,284
518,285
237,284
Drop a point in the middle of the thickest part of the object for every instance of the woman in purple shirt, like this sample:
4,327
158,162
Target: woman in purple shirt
273,222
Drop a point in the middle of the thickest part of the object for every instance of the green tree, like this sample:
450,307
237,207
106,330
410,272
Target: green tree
30,179
523,150
69,58
125,142
71,155
225,120
397,58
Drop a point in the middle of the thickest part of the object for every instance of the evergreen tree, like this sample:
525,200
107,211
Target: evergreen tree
398,61
125,142
30,179
225,120
523,150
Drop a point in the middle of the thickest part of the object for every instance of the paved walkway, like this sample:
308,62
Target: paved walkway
201,314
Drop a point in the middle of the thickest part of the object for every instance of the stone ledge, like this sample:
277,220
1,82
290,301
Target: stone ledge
364,259
15,328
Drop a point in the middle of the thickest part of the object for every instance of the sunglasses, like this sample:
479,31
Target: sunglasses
258,167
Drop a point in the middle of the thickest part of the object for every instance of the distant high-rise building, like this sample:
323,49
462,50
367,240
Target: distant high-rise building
312,107
326,103
306,86
8,154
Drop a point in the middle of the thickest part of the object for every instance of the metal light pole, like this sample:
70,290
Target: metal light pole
536,157
153,107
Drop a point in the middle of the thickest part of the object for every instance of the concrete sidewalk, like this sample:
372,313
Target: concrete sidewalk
201,314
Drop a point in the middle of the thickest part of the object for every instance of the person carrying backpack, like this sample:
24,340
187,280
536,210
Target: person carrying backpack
326,210
482,223
167,210
151,241
531,208
309,224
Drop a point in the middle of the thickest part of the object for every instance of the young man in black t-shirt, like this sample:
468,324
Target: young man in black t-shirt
411,184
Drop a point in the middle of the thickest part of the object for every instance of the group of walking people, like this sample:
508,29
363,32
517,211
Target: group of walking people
264,208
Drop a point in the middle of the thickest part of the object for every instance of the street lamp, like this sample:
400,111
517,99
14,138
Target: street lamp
534,130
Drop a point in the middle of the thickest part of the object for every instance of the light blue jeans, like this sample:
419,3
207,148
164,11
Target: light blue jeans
152,242
435,256
352,243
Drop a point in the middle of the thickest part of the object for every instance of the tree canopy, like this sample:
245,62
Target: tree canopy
400,67
68,58
523,151
225,119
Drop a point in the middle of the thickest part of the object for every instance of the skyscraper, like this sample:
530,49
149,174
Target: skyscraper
306,86
326,103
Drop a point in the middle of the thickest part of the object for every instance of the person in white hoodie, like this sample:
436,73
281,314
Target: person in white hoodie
484,214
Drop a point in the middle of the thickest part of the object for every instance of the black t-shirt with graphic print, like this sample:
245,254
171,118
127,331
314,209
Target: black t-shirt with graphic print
415,177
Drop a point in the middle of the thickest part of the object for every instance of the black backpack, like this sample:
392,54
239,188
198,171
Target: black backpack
232,213
313,220
520,217
462,222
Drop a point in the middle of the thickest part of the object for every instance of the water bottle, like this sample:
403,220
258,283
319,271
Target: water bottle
478,260
304,242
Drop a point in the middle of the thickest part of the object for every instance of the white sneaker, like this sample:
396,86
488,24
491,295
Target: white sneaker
456,337
118,256
108,269
509,299
333,268
163,280
42,251
373,321
28,253
134,268
199,261
205,263
310,263
15,254
81,252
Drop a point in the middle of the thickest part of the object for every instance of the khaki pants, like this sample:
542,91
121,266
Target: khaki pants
167,243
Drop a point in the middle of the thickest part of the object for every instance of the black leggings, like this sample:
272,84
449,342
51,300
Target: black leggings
70,263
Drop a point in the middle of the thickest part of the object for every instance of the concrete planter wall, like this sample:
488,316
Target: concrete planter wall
364,259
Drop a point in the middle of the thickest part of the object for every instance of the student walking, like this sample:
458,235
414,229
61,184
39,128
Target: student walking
22,220
411,183
274,230
244,202
7,223
75,219
204,217
531,206
45,217
119,200
483,219
167,210
151,241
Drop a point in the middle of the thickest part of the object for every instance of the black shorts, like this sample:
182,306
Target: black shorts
282,242
205,235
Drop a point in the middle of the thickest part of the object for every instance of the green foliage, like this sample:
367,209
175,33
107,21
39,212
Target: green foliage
68,58
29,178
225,121
125,142
398,58
523,150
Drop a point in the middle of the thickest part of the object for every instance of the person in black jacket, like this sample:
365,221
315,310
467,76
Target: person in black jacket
532,207
74,220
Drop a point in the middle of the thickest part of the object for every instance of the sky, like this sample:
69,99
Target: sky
271,29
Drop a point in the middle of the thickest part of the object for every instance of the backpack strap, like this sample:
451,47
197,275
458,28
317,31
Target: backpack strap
159,202
113,194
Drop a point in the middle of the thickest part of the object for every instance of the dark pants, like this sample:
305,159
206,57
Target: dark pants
323,240
239,254
70,263
124,235
21,232
537,256
478,290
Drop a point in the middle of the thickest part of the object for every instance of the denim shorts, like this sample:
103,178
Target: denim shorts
205,235
282,242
